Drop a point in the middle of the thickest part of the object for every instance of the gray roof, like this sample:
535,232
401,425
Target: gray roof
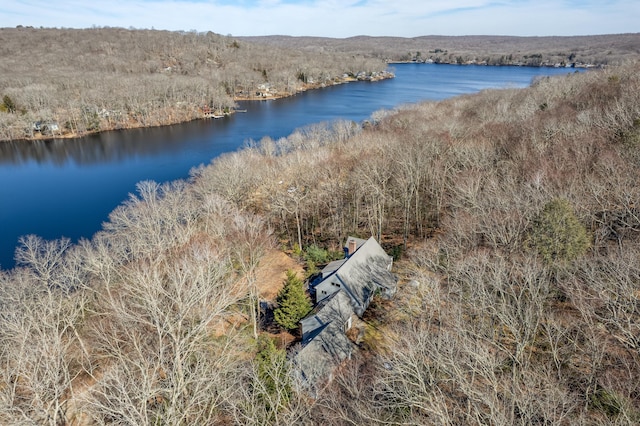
364,272
332,267
351,283
324,342
334,309
359,242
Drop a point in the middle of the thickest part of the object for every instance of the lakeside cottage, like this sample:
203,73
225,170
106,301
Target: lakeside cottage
342,291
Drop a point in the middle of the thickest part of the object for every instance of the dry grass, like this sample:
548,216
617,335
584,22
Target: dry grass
272,273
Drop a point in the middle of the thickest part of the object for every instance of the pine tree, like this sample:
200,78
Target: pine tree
293,303
271,366
7,104
271,385
558,235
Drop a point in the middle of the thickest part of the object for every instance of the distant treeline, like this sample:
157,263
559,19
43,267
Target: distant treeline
594,50
67,82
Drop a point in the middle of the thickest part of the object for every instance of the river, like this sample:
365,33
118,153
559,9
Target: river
67,187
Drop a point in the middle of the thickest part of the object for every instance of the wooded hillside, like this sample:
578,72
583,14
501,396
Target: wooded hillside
514,217
66,82
610,49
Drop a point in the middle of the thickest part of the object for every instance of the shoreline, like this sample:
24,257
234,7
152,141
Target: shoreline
377,76
485,64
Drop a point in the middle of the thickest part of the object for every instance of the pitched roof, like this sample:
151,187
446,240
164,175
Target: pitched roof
332,267
359,242
334,309
351,283
364,272
324,342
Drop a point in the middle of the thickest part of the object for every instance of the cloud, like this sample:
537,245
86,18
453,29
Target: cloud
335,18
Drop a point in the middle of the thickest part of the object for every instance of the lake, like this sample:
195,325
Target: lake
66,188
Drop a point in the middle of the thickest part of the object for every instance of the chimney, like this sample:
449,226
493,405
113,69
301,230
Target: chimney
352,246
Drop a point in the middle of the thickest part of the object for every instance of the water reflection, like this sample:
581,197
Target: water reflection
111,146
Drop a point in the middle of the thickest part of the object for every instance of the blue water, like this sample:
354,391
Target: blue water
66,188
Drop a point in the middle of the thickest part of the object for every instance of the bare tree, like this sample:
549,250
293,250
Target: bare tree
249,241
41,348
162,361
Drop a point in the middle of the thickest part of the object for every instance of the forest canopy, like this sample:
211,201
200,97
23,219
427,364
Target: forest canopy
68,82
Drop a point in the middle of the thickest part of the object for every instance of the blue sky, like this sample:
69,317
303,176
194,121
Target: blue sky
335,18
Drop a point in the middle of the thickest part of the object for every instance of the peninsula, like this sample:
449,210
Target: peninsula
57,83
65,83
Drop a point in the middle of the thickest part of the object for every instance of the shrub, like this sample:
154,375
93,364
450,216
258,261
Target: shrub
557,234
605,402
316,254
7,104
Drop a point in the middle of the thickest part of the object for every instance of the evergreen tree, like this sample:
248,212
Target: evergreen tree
558,235
271,365
272,384
293,303
7,104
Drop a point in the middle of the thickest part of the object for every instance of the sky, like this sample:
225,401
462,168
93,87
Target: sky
335,18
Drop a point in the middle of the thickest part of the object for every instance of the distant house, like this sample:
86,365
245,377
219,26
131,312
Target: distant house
45,127
344,289
264,91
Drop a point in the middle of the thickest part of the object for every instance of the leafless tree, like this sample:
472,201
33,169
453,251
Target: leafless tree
250,239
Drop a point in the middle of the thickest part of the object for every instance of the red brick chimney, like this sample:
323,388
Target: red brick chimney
352,247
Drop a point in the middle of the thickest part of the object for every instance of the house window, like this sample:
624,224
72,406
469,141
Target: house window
347,324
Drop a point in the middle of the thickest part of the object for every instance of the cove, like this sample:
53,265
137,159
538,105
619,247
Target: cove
67,187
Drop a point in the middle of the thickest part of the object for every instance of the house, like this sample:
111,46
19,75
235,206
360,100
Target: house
265,91
365,270
342,290
45,127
